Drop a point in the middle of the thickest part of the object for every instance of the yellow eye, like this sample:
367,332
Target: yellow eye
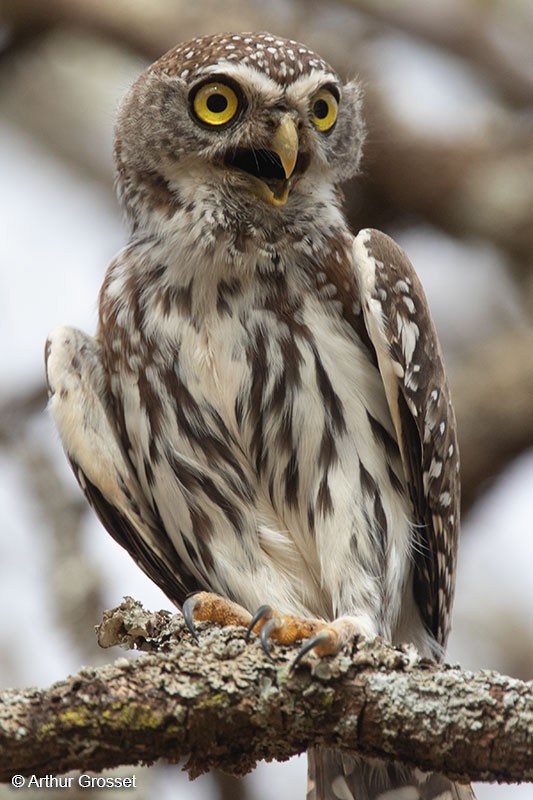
323,109
215,103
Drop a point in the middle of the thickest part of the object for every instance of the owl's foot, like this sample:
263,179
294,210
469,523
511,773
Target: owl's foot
334,635
282,628
210,607
324,638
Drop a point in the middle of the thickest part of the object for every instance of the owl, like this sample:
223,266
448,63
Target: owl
262,419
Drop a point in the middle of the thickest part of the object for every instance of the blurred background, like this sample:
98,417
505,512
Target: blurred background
448,172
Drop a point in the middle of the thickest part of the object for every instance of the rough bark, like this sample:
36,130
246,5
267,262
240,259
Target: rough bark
227,706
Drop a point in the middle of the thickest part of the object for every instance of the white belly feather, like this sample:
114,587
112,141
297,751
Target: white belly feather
271,555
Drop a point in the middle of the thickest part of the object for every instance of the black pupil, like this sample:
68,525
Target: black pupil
320,109
217,103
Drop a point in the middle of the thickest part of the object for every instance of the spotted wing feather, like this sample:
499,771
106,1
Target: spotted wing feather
78,403
410,361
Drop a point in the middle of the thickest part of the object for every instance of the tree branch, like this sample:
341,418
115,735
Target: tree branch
492,393
226,706
468,30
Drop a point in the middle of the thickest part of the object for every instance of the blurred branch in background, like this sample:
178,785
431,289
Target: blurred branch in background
76,584
493,391
476,188
490,36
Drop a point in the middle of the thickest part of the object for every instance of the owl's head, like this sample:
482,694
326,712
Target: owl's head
249,120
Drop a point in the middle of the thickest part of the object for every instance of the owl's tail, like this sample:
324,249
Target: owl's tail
332,775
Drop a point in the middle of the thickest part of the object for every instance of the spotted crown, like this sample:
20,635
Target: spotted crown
280,59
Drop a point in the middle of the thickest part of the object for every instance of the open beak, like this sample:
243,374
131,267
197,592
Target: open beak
273,167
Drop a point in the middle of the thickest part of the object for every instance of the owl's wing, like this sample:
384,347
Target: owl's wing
409,358
78,403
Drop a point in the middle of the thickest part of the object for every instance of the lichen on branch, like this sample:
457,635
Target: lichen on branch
224,705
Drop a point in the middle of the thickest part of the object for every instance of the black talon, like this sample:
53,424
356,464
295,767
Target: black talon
269,626
263,612
307,646
187,610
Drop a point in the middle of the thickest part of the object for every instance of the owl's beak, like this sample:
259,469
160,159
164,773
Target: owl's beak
285,145
272,167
